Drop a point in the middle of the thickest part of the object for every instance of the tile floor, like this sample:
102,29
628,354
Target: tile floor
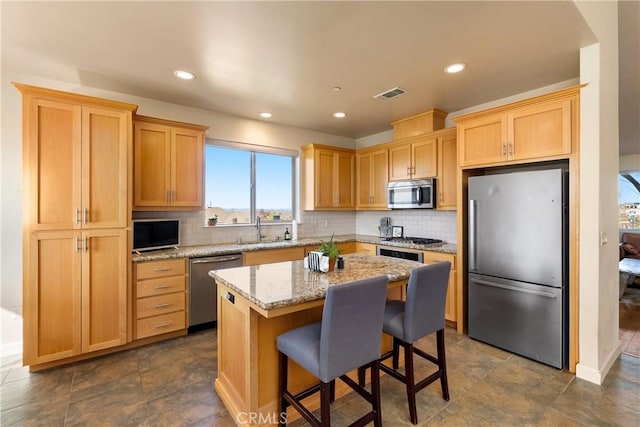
630,321
170,384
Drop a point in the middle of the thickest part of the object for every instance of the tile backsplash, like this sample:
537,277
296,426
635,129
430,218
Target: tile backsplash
421,222
416,222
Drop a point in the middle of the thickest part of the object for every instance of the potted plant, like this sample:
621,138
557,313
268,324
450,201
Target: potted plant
331,250
213,220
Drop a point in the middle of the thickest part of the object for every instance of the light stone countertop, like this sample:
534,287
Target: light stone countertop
283,284
233,248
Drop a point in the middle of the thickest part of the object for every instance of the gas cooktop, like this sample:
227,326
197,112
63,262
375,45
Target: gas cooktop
413,240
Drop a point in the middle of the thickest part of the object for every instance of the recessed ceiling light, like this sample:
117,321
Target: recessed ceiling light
266,114
339,115
337,88
184,75
455,68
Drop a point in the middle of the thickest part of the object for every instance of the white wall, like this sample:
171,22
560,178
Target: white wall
222,126
598,335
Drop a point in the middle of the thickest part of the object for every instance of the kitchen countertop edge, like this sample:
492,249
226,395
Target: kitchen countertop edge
231,248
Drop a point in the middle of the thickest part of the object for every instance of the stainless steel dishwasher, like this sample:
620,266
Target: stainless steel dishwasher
203,301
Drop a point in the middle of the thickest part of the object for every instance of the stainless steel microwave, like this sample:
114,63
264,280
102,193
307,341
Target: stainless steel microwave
414,194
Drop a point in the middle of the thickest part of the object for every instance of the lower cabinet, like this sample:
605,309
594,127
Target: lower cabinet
269,256
75,298
365,248
451,306
161,300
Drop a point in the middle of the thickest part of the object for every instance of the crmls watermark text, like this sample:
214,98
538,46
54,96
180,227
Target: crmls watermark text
260,418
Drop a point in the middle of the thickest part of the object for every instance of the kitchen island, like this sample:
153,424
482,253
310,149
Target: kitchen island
258,303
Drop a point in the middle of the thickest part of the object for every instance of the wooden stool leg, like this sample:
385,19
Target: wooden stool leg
396,355
362,376
282,385
442,364
325,404
375,391
410,382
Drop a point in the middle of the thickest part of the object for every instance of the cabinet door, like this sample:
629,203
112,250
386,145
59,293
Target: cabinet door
447,166
364,171
52,292
451,302
540,131
52,159
482,141
152,153
424,158
187,153
325,176
105,153
379,179
400,162
104,289
345,188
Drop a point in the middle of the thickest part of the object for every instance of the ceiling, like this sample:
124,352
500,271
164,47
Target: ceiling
286,57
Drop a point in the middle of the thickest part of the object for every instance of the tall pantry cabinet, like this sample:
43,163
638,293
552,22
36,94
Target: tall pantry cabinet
77,154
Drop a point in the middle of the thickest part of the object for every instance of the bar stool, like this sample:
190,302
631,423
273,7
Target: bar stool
348,337
421,315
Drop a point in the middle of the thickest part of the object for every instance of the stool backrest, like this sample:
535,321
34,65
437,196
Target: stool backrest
426,299
351,326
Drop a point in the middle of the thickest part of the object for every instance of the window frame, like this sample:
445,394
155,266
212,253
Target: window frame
254,149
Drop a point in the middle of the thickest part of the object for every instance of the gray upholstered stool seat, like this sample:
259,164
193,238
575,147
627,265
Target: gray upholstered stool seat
421,315
348,337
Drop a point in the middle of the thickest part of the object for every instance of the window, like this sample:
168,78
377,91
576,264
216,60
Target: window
629,199
243,182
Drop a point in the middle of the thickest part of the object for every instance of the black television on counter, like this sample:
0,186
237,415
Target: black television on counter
151,234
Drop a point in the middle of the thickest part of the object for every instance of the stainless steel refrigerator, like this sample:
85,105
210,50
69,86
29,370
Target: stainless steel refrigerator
517,262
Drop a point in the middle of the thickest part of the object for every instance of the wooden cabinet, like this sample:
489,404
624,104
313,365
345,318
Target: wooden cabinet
451,305
161,300
76,210
327,178
371,179
413,159
345,248
75,159
75,293
168,165
365,248
269,256
446,187
538,129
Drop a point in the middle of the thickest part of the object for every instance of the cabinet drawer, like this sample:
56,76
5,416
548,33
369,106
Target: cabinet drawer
431,257
164,268
160,304
163,285
160,324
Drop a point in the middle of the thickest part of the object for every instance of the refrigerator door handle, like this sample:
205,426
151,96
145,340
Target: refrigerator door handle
513,288
472,235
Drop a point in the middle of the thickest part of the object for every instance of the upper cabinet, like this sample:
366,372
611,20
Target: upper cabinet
413,159
539,128
371,178
168,165
413,155
327,178
75,155
447,166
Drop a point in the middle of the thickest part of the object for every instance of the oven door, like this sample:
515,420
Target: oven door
411,194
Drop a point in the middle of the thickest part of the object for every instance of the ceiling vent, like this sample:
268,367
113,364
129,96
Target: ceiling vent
391,93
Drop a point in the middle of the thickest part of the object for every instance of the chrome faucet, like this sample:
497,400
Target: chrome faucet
259,234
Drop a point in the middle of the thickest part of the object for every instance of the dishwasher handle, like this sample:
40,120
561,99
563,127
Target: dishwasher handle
216,259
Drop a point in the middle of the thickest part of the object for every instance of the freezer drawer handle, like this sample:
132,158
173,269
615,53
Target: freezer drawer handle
513,288
213,260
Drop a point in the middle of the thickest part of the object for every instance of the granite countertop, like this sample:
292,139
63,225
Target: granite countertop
283,284
234,248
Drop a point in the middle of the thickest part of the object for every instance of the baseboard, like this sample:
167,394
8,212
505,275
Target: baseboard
11,349
597,376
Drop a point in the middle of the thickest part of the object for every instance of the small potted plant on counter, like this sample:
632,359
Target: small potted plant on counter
213,220
331,250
